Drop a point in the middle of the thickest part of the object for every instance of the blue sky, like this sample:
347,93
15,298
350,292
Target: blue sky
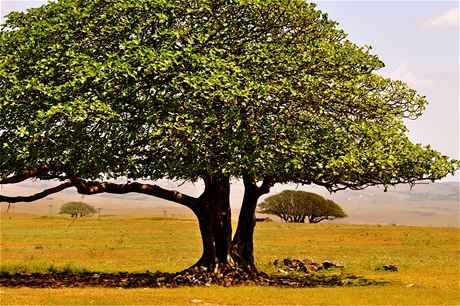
419,43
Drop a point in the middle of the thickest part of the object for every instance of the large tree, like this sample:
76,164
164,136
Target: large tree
262,91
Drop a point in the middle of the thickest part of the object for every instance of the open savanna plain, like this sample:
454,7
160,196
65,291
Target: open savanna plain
427,259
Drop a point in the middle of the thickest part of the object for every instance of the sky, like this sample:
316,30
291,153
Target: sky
419,43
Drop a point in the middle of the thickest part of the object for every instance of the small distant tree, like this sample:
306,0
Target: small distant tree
298,206
76,209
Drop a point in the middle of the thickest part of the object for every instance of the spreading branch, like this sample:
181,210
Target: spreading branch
36,196
90,187
93,187
22,176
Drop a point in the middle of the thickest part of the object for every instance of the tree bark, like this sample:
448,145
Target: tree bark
243,241
220,253
214,217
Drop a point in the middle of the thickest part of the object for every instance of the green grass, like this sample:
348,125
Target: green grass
427,258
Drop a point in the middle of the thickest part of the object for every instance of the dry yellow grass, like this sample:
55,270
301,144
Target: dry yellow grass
427,258
388,295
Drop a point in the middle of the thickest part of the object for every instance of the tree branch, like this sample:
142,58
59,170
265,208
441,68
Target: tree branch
91,187
19,177
250,182
267,183
88,188
36,196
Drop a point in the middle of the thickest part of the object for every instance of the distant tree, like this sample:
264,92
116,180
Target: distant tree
75,209
298,206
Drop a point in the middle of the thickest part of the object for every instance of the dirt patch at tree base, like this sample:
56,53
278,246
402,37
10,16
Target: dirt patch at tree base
184,278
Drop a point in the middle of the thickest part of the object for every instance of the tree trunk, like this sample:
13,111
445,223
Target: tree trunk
214,217
243,241
220,254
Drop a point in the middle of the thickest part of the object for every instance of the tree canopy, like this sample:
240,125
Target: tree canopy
298,206
264,91
155,89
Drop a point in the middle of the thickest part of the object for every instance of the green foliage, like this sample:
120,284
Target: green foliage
298,206
150,89
75,209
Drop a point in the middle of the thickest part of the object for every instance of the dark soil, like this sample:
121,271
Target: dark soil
185,278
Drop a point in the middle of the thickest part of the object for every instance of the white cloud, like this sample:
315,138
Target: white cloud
405,74
449,19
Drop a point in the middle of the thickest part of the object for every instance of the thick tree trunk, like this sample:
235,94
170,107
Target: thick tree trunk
214,217
221,254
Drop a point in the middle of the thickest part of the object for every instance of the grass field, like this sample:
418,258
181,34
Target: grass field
427,260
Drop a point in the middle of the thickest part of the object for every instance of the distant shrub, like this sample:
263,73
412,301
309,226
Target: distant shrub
301,206
77,209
